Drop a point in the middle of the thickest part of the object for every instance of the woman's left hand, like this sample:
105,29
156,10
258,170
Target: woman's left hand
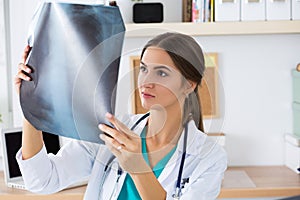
125,145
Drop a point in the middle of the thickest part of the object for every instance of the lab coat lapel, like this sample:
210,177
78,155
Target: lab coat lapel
194,146
195,140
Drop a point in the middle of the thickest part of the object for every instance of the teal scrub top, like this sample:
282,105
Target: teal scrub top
129,190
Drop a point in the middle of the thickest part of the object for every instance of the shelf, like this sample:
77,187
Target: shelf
215,28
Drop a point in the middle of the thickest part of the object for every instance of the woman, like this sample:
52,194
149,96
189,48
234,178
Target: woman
163,156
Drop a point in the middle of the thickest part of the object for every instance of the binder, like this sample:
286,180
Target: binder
227,10
295,9
212,10
296,86
296,118
253,10
278,10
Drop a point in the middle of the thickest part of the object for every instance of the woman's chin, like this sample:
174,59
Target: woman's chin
146,107
156,107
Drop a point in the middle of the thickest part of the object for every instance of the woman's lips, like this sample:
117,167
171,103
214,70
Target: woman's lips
147,95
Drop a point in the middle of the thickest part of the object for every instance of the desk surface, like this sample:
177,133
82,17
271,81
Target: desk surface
248,182
269,181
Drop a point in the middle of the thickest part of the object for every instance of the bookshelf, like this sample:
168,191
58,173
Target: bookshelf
215,28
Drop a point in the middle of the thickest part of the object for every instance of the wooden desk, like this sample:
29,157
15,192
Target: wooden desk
250,182
8,193
239,182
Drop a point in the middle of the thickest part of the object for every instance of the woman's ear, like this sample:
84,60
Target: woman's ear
190,87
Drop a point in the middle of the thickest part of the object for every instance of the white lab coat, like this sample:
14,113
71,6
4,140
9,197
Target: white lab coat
205,164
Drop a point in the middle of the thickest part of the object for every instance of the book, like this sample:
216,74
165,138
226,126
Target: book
187,6
201,11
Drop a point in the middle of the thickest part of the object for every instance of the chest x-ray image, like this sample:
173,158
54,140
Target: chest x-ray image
75,60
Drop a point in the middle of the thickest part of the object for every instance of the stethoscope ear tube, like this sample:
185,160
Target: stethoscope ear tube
140,119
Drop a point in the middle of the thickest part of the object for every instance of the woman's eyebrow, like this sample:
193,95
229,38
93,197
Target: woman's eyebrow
157,67
162,67
144,64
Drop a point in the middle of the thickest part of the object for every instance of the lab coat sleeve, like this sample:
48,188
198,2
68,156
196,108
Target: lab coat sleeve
207,186
51,173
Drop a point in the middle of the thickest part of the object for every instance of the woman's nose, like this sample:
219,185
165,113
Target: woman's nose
148,85
146,81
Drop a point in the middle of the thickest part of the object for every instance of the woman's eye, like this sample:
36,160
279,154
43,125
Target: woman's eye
162,73
143,69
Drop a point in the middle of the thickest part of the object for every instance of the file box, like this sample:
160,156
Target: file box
278,9
295,9
227,10
253,10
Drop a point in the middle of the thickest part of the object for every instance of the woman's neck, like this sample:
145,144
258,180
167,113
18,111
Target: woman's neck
165,126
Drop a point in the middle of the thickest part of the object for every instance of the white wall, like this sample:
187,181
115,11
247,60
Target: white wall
3,90
4,100
21,12
3,79
255,72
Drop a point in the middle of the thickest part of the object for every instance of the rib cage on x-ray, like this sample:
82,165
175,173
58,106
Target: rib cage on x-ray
75,58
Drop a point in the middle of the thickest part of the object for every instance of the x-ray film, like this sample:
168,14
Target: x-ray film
75,60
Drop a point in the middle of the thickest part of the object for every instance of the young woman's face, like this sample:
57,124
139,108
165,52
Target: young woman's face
160,82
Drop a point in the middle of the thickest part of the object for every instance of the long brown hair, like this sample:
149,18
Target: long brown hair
188,57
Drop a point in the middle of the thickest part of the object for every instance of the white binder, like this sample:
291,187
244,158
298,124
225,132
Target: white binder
278,10
295,9
227,10
253,10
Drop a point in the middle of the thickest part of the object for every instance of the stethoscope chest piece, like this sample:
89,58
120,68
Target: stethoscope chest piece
178,190
177,194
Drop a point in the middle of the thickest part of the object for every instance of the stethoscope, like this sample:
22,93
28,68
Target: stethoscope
179,183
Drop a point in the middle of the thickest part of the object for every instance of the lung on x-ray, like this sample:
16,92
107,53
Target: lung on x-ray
75,60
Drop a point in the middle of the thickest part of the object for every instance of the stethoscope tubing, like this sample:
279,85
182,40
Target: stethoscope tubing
178,183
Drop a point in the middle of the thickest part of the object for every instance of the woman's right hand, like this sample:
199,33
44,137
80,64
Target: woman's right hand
23,70
32,140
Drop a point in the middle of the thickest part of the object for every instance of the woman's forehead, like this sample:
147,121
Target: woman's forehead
157,56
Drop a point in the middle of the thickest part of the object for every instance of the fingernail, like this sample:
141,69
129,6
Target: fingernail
27,78
100,126
101,136
108,115
28,70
